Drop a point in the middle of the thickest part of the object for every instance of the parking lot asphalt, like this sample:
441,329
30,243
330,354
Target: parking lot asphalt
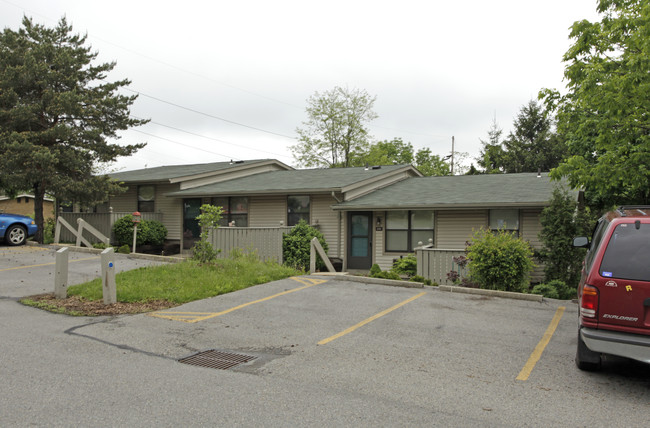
325,352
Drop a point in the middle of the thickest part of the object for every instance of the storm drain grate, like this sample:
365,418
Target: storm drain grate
216,359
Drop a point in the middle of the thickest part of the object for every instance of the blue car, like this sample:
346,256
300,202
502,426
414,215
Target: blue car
15,228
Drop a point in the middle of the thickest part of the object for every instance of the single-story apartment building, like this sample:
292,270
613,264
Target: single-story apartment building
367,215
23,204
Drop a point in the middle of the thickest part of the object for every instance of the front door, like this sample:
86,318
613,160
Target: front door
359,240
191,229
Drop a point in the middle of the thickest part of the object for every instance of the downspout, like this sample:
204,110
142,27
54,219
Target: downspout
340,228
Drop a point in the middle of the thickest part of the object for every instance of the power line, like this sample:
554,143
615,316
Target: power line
206,114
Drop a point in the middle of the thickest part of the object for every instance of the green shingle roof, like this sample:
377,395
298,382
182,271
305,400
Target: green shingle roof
171,172
464,191
295,181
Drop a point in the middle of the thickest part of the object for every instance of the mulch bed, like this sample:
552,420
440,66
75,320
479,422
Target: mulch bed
78,306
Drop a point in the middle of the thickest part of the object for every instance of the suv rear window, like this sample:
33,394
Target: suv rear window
628,253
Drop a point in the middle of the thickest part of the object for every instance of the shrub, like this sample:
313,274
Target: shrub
150,232
49,228
374,269
561,222
389,274
203,251
124,249
418,278
407,265
555,289
296,246
499,260
546,290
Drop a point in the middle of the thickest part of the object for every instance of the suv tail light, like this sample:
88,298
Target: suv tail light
589,301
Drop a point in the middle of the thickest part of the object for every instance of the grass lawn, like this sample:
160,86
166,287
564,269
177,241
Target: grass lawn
167,285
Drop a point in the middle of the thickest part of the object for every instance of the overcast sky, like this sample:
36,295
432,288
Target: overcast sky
225,80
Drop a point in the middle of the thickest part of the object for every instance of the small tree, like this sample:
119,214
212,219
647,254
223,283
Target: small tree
209,218
499,260
561,222
296,246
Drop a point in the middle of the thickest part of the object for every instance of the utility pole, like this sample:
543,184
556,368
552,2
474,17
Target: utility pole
452,155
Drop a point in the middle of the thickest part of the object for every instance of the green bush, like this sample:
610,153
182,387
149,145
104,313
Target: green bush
374,269
124,249
389,274
418,278
296,246
407,265
555,289
49,228
150,232
203,251
499,260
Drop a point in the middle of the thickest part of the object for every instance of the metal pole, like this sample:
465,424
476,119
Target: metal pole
135,233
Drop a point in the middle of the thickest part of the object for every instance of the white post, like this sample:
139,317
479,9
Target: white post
135,233
109,287
61,274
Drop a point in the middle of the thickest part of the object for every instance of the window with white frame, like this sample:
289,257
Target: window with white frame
405,229
146,198
506,219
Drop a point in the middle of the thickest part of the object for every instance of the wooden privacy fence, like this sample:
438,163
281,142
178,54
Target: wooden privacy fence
265,241
102,222
434,263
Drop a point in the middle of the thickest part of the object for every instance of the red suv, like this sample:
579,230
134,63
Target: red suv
614,291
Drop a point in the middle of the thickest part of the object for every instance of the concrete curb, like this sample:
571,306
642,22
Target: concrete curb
343,276
492,293
151,257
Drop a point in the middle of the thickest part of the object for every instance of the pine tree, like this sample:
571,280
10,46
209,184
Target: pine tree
57,114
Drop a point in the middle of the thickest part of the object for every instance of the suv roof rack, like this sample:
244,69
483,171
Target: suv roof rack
640,208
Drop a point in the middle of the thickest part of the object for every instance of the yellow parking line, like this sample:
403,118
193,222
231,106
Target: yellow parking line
372,318
537,353
192,317
46,264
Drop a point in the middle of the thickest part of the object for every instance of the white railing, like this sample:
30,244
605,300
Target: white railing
435,263
79,232
102,222
265,241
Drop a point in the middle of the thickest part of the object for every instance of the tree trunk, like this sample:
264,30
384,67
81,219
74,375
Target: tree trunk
39,196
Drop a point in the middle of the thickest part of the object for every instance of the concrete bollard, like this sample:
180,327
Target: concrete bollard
109,287
61,274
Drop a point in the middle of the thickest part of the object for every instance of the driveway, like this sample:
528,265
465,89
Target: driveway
323,352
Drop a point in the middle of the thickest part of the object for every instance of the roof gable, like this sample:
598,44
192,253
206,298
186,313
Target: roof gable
300,181
464,191
180,173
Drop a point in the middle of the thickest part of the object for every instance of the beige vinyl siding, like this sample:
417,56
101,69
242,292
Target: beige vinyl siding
381,257
530,228
454,228
126,202
171,209
327,221
267,211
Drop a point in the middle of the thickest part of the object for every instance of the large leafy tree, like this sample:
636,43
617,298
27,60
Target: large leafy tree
57,113
397,151
385,152
605,113
336,129
531,146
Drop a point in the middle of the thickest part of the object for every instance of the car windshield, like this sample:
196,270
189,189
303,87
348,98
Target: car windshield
628,253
